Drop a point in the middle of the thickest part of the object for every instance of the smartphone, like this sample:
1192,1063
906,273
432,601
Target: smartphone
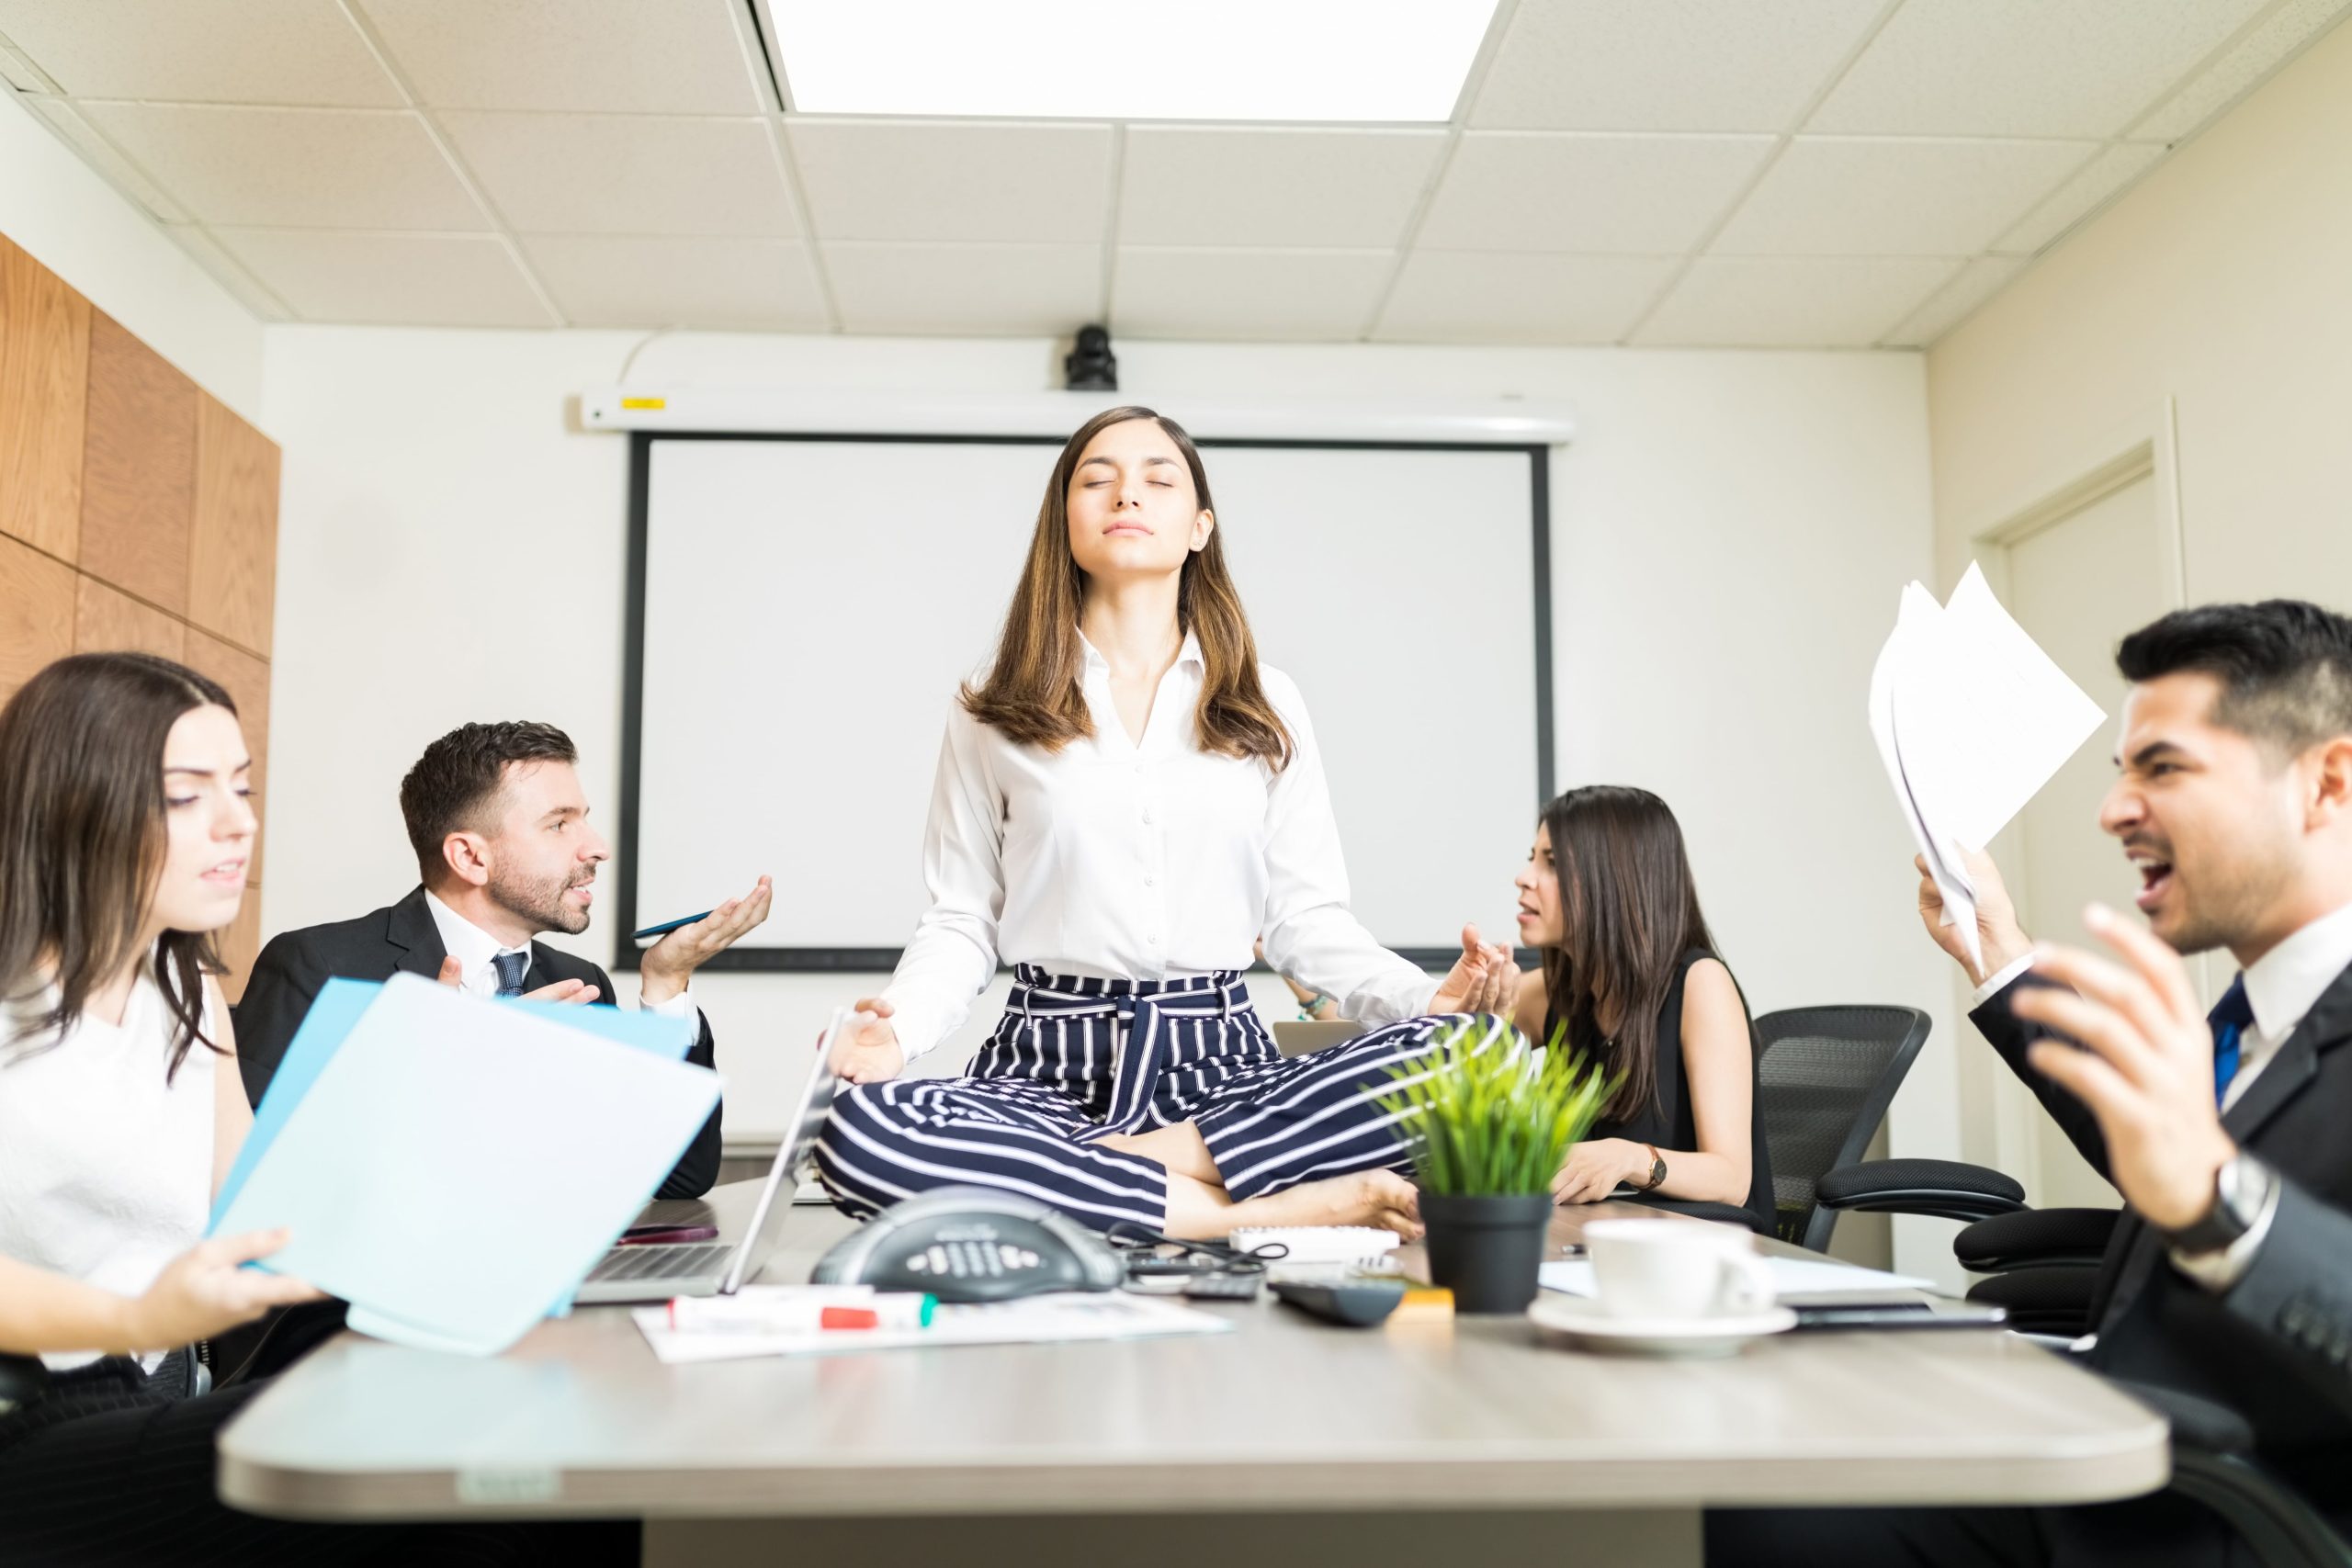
670,925
1902,1315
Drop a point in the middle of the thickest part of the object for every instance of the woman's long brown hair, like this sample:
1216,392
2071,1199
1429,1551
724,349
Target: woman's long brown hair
83,841
1033,692
1629,910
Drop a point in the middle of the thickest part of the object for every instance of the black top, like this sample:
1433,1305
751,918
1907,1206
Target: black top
1668,1122
401,938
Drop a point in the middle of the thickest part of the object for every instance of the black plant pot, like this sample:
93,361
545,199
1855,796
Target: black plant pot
1486,1250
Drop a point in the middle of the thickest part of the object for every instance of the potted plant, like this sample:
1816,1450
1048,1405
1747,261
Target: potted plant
1492,1120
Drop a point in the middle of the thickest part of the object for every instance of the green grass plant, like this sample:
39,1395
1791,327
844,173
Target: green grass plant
1491,1116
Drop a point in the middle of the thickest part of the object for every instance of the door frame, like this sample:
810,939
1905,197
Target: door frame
2145,446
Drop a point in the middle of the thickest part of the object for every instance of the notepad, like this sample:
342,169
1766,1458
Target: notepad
1970,718
1052,1318
450,1164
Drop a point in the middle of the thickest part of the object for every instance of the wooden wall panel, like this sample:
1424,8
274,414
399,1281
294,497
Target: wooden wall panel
138,468
35,614
233,552
106,621
247,680
44,384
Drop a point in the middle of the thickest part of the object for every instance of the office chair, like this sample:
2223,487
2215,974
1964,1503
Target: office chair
1825,1076
2214,1462
22,1380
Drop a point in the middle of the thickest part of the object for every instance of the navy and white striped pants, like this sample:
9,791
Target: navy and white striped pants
1075,1061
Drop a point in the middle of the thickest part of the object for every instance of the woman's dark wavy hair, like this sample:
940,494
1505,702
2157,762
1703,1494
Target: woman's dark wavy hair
83,842
1629,910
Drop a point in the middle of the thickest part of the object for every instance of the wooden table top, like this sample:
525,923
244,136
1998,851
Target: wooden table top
1288,1413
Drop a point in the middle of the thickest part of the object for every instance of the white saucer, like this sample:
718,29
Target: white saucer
1583,1321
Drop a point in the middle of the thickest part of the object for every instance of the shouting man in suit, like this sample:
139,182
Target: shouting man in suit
2230,1277
501,830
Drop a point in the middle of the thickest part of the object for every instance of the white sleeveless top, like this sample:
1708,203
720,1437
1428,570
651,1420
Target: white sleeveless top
105,1171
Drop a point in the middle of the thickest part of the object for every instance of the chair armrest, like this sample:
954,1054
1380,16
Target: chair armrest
1944,1188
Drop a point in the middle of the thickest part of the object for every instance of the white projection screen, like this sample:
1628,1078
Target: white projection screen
805,607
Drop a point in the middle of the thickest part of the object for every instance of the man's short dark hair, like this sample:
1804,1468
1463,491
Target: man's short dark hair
2285,666
457,782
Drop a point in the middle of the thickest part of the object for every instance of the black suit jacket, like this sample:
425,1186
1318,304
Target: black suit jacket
402,939
2276,1346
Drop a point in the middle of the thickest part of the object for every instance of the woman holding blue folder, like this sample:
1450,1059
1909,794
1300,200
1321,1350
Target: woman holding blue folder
125,832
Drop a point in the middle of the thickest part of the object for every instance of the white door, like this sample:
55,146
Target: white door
2079,585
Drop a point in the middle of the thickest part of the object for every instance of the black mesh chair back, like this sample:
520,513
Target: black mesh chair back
1827,1076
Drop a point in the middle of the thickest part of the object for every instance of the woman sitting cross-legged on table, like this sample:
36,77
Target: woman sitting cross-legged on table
1606,898
1122,803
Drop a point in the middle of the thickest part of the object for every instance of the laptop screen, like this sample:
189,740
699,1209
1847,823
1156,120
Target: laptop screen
799,1143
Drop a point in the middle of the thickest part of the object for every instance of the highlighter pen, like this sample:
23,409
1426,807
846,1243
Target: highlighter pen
721,1314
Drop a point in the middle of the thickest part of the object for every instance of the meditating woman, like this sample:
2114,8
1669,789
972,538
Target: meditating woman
1627,966
125,831
1125,799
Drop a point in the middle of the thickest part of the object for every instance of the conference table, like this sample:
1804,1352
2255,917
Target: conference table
1289,1440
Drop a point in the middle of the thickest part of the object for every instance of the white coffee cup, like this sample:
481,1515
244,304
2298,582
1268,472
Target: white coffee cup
1684,1270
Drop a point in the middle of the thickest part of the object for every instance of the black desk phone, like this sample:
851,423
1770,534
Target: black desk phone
972,1244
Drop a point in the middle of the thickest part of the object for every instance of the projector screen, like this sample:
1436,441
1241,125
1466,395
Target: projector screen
804,609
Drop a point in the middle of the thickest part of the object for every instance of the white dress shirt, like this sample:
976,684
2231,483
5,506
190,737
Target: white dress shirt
2281,986
474,948
1149,861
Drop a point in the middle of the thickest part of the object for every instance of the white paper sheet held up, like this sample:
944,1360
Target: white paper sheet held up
1790,1277
1032,1320
1971,718
458,1165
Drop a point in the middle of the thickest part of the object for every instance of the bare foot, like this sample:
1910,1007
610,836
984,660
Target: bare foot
1378,1198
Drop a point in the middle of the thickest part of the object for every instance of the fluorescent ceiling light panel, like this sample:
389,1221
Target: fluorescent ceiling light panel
1245,60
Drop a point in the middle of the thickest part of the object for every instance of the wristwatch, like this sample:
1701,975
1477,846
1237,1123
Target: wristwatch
2240,1189
1657,1170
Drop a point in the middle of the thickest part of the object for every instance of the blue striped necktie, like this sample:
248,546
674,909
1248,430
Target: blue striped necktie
512,967
2229,1017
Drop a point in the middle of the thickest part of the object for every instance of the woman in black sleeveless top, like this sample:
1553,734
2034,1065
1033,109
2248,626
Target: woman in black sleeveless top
1607,899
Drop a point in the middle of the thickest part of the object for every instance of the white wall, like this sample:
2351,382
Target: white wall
67,216
1729,533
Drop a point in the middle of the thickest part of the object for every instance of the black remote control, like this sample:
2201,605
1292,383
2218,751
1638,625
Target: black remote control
1358,1303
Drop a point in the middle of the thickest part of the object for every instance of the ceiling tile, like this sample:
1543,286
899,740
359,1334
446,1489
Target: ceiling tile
101,154
2025,67
448,280
1633,195
603,280
230,274
1300,296
294,168
2279,35
966,290
1667,65
592,56
555,173
1948,306
1861,196
2115,167
1222,186
1791,302
875,179
248,52
1465,296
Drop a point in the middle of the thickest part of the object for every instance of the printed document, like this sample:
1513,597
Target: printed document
1971,718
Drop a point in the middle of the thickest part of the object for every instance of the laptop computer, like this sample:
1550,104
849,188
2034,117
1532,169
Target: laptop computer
659,1271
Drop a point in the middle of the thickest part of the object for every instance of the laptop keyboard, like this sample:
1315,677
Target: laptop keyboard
661,1262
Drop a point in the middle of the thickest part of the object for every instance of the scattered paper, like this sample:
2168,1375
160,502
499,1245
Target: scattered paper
1971,718
1790,1277
1053,1318
408,1107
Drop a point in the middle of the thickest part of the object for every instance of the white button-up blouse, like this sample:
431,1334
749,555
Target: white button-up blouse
1143,861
